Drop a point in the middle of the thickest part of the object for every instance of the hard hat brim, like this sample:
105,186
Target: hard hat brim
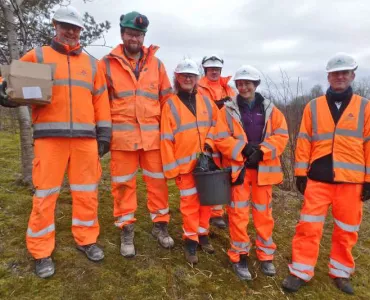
341,69
70,22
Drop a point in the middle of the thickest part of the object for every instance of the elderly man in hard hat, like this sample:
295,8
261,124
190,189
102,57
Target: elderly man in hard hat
217,89
332,169
138,87
251,134
71,133
186,120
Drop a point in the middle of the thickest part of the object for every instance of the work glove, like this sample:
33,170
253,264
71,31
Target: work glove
301,182
255,157
4,98
249,149
220,103
365,191
103,148
240,179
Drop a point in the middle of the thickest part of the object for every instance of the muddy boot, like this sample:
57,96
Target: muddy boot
44,267
344,285
205,245
127,241
292,283
219,222
191,251
241,268
268,268
92,251
160,232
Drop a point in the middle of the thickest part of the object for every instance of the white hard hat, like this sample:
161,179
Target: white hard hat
247,72
188,66
70,15
213,61
341,62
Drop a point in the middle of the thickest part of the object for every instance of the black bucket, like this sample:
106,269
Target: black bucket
213,187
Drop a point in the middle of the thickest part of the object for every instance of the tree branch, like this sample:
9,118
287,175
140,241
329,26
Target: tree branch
4,56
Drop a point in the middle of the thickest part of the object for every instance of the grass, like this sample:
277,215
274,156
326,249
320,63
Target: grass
155,273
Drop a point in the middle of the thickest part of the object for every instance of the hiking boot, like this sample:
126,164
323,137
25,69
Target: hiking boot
241,268
219,222
344,285
92,251
268,268
292,283
44,267
205,245
127,241
160,232
191,251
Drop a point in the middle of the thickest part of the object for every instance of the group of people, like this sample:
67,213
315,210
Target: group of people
125,104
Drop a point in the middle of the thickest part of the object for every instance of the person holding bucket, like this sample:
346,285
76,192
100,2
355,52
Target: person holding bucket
251,134
186,120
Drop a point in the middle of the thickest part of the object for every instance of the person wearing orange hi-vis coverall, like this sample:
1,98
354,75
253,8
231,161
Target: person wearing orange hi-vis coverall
70,133
138,87
332,169
186,120
251,134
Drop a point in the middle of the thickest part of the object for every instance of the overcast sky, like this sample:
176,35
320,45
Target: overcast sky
295,36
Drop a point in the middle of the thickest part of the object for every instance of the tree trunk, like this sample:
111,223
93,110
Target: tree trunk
24,118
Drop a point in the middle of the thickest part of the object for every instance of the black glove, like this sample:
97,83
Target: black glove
240,179
4,99
220,103
103,148
365,191
300,183
255,157
249,149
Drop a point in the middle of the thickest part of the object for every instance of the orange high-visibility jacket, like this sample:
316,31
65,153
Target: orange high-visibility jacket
180,141
136,103
229,138
347,141
206,89
79,104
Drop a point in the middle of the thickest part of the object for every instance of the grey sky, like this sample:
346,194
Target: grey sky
295,36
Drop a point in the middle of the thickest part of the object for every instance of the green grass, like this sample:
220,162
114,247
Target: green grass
155,273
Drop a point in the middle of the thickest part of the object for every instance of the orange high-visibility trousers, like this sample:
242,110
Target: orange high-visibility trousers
194,216
238,212
347,214
217,211
124,166
52,157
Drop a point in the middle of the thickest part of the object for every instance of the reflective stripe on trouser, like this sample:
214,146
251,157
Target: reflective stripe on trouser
194,216
238,213
217,211
52,157
347,218
124,167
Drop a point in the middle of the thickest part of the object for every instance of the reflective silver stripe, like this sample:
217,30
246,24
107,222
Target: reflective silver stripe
259,207
187,233
104,124
74,82
299,274
239,204
63,126
124,178
367,170
269,169
217,207
340,266
280,131
313,106
202,230
302,267
160,212
243,245
322,137
339,273
238,147
303,135
191,126
93,67
210,136
346,227
158,175
147,94
268,242
209,110
366,139
47,192
229,120
349,133
123,127
78,222
170,166
213,123
120,220
240,137
167,136
235,169
301,165
165,92
125,94
174,113
99,91
186,159
271,147
188,192
267,251
312,218
39,55
84,187
221,135
349,166
42,232
149,127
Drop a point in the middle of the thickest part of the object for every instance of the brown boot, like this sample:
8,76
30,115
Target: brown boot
205,244
191,251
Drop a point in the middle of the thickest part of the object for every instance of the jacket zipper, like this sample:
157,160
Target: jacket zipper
70,94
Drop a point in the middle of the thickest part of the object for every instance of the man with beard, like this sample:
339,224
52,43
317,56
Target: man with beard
138,87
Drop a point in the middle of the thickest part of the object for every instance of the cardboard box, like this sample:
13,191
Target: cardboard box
28,83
